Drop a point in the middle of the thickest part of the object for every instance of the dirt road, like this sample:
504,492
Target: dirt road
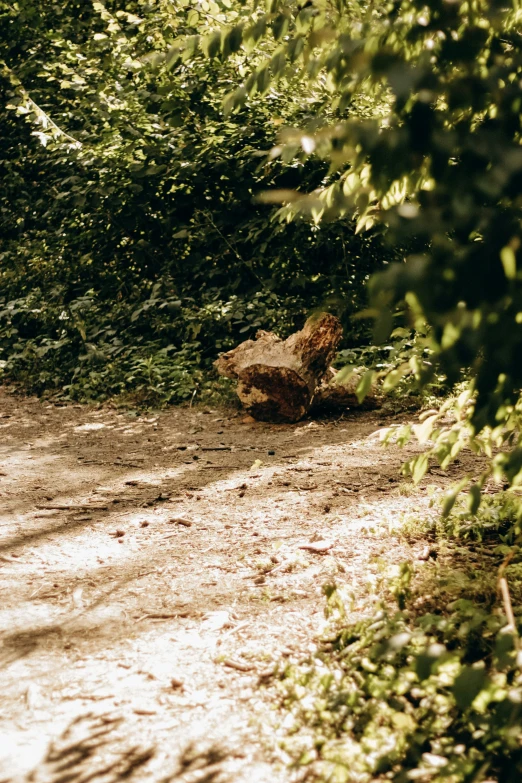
154,567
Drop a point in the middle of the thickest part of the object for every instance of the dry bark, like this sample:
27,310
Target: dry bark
277,379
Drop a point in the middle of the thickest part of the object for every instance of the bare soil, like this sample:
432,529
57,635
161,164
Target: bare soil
152,571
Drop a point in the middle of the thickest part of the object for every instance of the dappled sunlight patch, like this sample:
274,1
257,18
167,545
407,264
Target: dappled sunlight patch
166,571
89,427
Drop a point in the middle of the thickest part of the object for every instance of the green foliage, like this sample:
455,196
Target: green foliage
447,430
159,348
432,692
499,519
436,699
130,233
396,366
438,161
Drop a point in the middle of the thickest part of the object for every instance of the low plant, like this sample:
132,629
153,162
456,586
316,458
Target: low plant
428,687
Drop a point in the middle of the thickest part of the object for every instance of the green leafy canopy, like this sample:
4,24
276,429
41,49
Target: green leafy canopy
130,237
437,161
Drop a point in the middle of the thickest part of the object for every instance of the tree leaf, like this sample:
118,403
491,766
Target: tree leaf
468,684
451,496
420,466
364,385
474,498
211,44
280,26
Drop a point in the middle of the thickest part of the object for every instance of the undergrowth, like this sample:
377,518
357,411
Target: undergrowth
428,688
152,352
159,349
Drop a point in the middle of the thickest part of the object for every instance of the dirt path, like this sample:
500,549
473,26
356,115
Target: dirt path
151,573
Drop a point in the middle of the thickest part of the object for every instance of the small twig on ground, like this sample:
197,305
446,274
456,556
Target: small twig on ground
89,696
223,467
318,547
71,507
238,665
276,568
236,628
508,607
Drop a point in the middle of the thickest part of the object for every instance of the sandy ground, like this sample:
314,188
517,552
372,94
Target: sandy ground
152,571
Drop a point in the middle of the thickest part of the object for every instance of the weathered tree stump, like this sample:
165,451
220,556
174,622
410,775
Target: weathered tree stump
277,379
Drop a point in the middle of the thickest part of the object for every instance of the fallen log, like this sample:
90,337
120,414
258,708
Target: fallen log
277,379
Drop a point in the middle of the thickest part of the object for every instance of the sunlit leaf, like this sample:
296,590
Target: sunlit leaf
420,466
365,384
